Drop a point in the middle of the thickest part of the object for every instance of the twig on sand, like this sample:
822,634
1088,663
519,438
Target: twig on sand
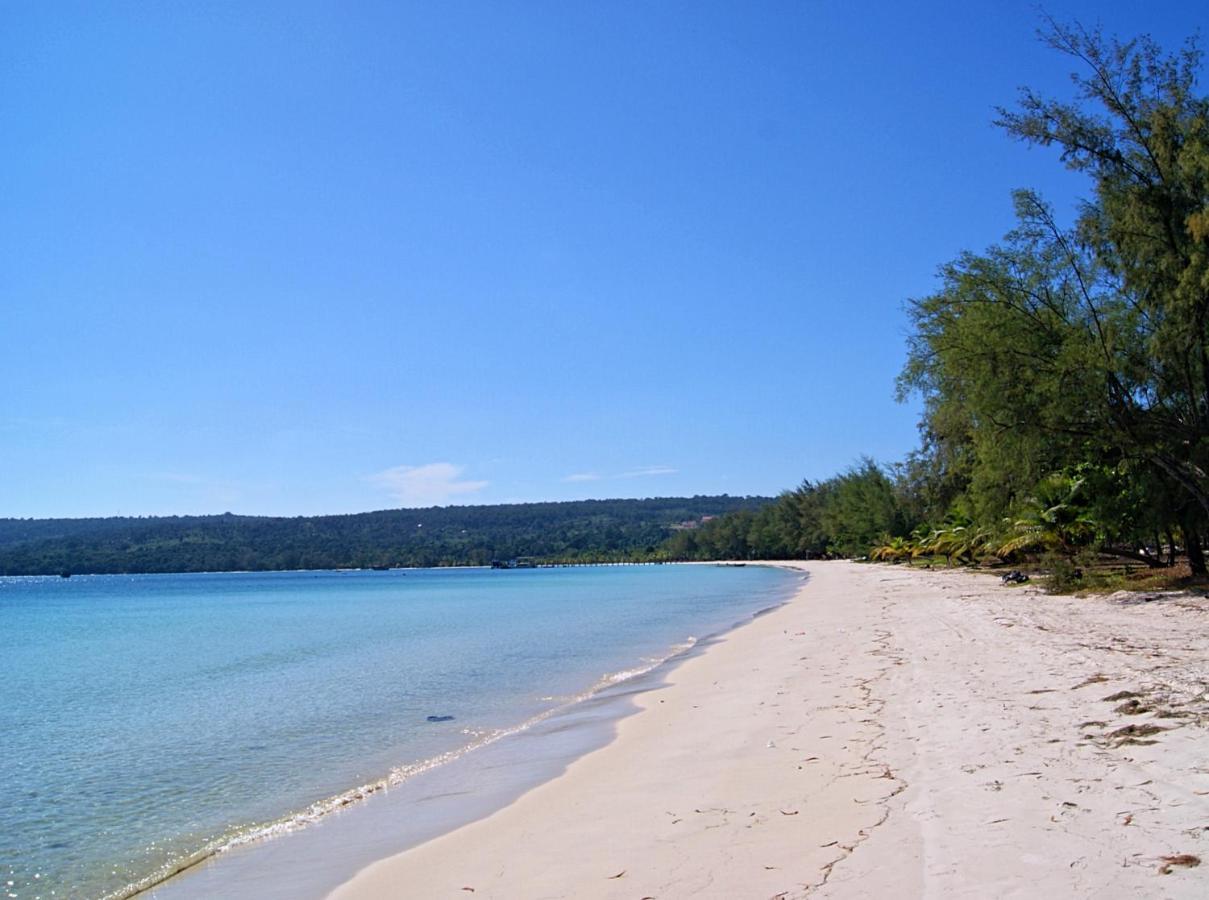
1186,860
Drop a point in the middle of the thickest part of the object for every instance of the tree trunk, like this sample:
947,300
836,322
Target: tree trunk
1154,562
1196,553
1170,548
1186,474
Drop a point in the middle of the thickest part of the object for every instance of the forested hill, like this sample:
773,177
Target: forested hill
452,535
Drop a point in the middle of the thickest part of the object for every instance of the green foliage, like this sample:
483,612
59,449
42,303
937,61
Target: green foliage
892,549
604,530
1067,572
1084,350
861,507
844,516
1057,518
1064,371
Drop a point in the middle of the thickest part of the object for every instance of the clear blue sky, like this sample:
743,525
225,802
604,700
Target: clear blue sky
295,258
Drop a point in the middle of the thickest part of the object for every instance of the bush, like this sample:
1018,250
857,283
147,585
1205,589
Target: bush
1066,573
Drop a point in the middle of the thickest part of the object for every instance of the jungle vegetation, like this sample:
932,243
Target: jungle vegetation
579,531
1064,371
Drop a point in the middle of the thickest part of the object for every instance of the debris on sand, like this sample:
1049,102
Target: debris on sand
1184,860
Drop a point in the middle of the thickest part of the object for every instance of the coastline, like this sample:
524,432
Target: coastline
316,849
886,732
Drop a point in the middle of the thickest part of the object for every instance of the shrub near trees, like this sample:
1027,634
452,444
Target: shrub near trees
843,516
1065,370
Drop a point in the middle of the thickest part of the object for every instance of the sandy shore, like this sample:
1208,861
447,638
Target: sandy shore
888,733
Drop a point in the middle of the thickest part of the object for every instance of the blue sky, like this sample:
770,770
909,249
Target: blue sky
296,258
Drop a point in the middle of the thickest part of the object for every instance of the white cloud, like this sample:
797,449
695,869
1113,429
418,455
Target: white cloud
640,472
433,484
645,471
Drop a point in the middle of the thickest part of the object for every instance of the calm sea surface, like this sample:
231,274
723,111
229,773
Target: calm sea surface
147,721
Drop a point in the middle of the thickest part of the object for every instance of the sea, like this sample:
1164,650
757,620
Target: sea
158,724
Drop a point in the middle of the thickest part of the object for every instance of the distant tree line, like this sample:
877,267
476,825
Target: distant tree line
843,516
1065,370
596,530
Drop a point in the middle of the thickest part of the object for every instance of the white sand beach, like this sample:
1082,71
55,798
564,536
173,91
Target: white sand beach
887,733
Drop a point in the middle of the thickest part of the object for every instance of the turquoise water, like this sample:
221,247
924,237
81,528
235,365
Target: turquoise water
148,721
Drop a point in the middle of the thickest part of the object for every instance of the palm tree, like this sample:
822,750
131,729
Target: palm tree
891,549
955,539
1053,519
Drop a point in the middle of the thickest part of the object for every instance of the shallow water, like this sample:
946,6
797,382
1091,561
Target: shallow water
150,720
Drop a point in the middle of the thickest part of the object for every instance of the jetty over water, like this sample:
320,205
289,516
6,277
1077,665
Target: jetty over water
528,562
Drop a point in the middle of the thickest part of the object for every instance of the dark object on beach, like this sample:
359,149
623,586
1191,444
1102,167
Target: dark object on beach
1014,577
440,718
64,574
